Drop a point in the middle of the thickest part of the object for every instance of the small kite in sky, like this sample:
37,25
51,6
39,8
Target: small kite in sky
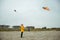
46,8
14,10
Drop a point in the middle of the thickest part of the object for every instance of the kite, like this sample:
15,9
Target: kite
14,10
46,8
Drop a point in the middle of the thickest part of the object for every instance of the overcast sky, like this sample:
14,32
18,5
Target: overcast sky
30,12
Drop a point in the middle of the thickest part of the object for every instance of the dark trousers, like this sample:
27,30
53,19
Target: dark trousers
21,34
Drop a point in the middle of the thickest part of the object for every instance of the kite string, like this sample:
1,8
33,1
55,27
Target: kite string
45,2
